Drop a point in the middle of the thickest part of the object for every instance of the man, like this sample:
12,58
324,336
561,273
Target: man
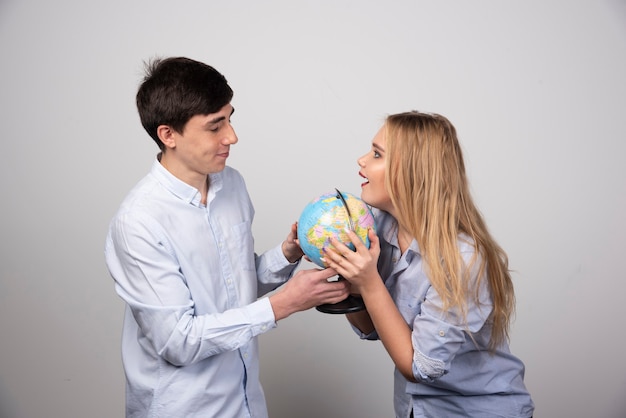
180,250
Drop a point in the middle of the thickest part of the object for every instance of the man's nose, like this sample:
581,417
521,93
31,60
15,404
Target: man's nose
231,136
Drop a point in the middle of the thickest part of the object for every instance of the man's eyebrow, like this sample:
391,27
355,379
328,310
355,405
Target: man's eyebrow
216,120
220,118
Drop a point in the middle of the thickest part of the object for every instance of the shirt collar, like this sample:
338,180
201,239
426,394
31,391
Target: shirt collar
216,182
182,190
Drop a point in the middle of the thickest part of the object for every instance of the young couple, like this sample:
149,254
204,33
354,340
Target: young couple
436,285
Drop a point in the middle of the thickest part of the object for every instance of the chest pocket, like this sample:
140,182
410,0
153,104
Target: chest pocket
242,246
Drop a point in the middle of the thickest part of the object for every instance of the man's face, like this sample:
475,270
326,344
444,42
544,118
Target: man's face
204,145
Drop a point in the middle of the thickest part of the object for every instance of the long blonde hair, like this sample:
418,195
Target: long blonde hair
427,184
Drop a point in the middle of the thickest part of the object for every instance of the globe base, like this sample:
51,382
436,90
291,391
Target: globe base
349,305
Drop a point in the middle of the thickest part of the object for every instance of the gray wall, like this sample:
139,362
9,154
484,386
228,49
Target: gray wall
536,90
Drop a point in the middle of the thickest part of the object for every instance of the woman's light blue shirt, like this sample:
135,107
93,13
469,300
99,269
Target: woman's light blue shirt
457,375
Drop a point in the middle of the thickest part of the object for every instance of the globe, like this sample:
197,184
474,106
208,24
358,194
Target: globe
327,216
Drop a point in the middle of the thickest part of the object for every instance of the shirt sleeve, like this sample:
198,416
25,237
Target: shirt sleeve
149,279
372,336
438,335
273,269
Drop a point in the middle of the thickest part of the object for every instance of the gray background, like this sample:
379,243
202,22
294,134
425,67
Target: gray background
536,90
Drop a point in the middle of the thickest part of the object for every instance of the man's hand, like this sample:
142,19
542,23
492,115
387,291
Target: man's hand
307,289
291,248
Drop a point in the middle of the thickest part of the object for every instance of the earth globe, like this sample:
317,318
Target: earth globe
330,215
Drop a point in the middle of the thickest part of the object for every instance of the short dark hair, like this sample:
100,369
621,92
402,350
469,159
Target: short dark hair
176,89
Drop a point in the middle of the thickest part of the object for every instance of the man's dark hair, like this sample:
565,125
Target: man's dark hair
176,89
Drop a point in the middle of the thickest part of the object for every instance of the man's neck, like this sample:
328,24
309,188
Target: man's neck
194,179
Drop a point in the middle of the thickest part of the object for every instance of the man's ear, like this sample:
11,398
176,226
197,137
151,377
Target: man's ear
167,135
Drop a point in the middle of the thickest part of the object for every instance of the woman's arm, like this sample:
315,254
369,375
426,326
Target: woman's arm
359,267
392,330
362,321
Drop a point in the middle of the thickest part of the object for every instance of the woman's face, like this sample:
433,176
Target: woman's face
373,191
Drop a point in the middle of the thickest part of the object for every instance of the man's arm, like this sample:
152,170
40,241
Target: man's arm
150,279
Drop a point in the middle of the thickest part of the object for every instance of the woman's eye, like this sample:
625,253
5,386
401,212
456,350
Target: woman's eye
376,154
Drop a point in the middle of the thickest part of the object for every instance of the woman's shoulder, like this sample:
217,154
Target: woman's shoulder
466,244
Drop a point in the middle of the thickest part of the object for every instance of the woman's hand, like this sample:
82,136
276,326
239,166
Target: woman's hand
359,267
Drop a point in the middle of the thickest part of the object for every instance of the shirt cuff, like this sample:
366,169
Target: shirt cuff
277,262
263,315
372,336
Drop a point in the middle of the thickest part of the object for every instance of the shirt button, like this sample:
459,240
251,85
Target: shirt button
441,333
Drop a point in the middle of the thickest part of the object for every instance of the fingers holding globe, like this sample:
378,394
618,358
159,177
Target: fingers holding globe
330,215
326,216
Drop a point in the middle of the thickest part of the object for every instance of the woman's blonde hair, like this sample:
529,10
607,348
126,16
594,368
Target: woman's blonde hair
427,184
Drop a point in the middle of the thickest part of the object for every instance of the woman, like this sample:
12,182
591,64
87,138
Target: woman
435,283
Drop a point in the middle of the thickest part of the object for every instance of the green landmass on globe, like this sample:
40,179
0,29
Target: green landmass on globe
326,216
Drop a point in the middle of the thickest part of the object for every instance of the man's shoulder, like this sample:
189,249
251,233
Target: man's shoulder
232,177
141,197
231,173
